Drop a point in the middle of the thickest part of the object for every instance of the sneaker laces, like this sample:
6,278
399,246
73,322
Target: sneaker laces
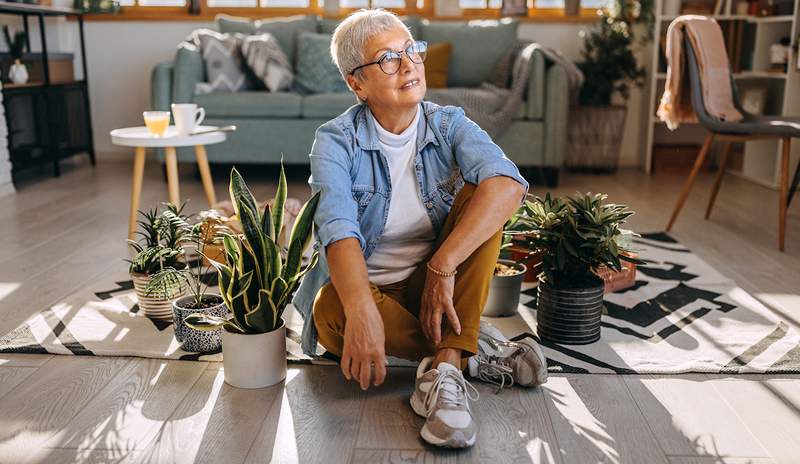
452,388
499,370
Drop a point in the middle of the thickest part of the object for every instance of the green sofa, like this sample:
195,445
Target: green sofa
283,123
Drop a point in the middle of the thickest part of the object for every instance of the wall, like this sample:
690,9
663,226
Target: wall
122,54
6,187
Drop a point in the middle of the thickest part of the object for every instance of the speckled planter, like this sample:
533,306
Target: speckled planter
197,341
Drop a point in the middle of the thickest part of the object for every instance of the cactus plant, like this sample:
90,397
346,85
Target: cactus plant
258,279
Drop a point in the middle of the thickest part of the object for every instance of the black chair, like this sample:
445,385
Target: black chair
751,127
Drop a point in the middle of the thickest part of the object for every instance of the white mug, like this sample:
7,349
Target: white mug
187,117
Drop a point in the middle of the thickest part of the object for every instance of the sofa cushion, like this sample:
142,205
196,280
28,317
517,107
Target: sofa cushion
222,56
285,30
477,47
251,104
327,105
264,56
437,65
315,71
327,25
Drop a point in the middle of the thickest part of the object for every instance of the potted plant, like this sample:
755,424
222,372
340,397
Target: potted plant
610,67
576,237
257,281
159,248
199,300
16,46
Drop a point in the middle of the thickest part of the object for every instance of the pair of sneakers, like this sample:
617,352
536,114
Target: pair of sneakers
442,395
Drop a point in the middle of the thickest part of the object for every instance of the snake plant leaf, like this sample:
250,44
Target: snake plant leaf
231,249
278,206
254,237
300,237
259,318
241,195
266,221
204,322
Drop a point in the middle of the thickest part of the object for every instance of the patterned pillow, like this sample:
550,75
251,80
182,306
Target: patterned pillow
223,61
316,72
267,61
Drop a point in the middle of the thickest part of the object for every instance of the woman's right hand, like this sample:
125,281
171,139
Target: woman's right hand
364,347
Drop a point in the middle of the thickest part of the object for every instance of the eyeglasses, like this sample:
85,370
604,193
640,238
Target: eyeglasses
390,61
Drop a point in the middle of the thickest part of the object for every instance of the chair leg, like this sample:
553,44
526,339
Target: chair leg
783,198
723,162
688,185
793,187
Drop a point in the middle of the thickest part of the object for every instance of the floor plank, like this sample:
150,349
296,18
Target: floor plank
596,420
10,377
314,420
771,411
396,456
128,413
215,423
718,460
688,418
48,399
23,360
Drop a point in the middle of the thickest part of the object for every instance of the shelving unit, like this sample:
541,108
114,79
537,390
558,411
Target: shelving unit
48,118
759,159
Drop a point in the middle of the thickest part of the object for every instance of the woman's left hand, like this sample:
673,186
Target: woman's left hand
437,299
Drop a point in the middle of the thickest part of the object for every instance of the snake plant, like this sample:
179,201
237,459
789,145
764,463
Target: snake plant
258,279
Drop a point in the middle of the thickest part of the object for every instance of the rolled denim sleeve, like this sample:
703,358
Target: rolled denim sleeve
477,155
336,217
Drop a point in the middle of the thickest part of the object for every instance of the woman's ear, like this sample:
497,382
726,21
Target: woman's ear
356,85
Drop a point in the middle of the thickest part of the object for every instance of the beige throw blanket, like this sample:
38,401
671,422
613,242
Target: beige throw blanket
706,37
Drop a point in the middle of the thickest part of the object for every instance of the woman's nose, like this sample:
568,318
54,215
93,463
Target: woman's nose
406,64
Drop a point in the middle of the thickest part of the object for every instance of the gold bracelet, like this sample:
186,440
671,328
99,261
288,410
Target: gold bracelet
440,273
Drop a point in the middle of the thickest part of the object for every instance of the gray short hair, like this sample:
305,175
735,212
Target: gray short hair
353,33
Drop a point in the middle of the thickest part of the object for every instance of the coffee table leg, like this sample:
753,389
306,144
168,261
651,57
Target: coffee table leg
205,174
136,189
172,176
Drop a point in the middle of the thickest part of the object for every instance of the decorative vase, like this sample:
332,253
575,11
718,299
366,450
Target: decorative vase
569,316
593,138
18,72
197,341
155,306
254,360
572,7
504,291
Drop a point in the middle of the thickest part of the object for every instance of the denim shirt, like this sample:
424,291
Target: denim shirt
352,174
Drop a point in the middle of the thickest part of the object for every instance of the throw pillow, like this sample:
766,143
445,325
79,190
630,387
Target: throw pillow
223,61
437,64
285,29
266,60
316,72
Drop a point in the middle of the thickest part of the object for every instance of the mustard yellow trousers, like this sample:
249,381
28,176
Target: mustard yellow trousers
399,303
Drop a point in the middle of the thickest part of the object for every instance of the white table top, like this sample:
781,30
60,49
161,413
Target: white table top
140,137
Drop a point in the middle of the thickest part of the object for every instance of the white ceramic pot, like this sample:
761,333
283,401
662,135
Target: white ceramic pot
18,73
254,361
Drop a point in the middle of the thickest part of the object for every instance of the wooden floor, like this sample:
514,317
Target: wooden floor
57,235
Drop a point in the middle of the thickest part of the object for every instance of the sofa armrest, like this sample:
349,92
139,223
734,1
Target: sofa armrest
161,86
535,90
556,109
189,70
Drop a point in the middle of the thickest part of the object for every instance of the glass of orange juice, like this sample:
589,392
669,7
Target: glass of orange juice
156,122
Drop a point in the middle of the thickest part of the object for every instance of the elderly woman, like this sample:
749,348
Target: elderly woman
413,200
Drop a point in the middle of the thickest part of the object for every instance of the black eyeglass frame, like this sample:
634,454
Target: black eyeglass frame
399,55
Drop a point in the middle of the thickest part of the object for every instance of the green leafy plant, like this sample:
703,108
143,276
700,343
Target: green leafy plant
194,237
609,63
16,46
159,246
258,279
575,236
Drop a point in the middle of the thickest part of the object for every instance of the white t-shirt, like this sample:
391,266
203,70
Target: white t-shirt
408,236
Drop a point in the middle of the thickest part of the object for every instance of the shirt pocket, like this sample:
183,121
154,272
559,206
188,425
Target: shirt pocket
362,194
449,188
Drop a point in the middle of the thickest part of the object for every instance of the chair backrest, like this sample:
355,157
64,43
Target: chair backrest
708,121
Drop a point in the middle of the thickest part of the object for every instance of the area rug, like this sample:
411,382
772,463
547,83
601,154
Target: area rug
681,316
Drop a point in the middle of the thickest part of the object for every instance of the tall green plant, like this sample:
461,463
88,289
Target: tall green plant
609,63
575,235
257,279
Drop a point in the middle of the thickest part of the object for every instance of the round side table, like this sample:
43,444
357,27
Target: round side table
140,138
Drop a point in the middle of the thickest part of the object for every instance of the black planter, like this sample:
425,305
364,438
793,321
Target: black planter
569,317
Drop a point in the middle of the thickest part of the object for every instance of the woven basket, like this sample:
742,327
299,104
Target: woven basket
154,305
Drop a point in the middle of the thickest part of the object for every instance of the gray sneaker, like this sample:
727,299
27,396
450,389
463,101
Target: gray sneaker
505,363
442,397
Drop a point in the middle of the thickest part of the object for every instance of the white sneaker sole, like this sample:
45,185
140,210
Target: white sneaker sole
452,442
